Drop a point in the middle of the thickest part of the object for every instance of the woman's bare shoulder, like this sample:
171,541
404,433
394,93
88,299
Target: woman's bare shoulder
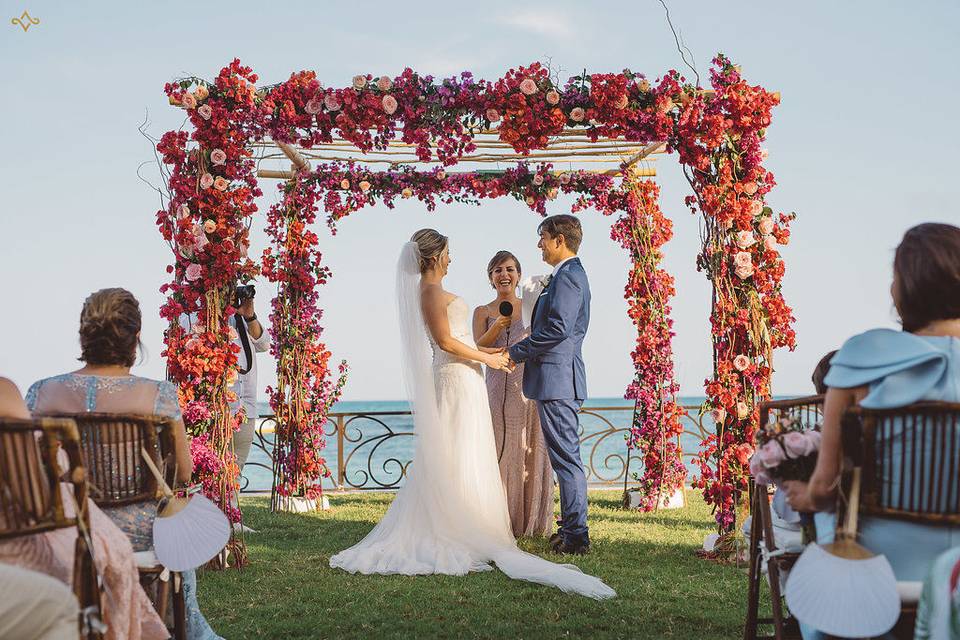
435,293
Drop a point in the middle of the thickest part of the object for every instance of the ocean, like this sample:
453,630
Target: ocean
376,448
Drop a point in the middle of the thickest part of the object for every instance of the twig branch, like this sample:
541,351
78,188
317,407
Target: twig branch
681,47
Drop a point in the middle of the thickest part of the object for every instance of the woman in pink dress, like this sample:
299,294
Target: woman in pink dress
524,464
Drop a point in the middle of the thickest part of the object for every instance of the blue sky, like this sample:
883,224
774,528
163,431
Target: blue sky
863,146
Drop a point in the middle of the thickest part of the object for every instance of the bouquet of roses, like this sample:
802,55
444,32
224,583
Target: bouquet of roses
786,451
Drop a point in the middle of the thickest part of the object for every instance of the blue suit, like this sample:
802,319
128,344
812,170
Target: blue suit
555,377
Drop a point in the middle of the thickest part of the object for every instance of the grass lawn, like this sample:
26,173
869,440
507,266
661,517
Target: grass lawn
289,591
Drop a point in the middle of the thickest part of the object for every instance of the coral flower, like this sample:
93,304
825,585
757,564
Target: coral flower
364,186
528,87
765,225
493,115
221,183
577,114
719,415
621,102
188,101
209,226
743,410
407,192
389,104
206,181
344,184
745,239
553,97
201,92
741,362
217,156
644,85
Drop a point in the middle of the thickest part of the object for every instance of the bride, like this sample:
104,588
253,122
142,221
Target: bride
451,515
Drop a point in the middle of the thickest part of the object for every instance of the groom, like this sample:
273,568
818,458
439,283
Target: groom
554,374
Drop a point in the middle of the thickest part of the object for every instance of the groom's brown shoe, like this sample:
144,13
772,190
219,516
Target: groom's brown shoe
572,549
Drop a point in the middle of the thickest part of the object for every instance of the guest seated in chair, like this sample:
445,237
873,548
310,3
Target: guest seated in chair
109,335
883,368
34,606
128,613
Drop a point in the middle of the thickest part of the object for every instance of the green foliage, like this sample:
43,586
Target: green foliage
289,591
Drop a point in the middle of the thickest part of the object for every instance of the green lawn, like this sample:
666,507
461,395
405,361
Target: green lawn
289,591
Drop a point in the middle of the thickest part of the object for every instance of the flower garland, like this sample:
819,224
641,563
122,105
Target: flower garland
717,135
642,231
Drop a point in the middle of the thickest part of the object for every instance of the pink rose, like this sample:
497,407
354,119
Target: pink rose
564,178
797,444
313,106
765,225
743,410
389,104
384,83
755,208
537,179
770,243
206,181
359,82
220,184
441,175
364,186
745,240
622,102
744,271
209,226
719,415
577,114
758,471
644,85
201,92
814,437
528,87
193,272
741,362
750,188
407,192
742,258
493,115
218,156
188,101
771,454
331,102
553,97
199,238
183,211
205,111
344,184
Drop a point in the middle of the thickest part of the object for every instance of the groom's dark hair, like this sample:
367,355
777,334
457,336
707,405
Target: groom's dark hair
564,225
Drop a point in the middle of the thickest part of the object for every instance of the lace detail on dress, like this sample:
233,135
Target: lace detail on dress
168,403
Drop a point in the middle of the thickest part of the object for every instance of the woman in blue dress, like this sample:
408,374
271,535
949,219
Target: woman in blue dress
883,368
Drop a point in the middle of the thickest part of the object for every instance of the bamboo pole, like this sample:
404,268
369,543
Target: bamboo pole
653,147
299,162
645,172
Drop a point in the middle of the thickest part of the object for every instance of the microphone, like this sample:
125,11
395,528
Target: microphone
506,308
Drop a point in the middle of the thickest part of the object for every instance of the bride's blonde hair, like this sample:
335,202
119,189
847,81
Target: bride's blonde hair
430,244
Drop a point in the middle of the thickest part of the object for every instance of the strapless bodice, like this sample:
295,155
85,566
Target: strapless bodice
458,317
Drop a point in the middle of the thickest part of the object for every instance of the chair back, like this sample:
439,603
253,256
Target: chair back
910,457
112,444
808,409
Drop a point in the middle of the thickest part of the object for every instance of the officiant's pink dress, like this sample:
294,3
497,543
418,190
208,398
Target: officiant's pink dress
522,453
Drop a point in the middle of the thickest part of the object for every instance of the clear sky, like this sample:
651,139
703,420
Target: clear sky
864,146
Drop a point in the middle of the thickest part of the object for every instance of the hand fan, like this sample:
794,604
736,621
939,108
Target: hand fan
841,588
187,532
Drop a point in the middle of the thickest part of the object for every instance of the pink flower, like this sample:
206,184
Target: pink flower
553,97
744,271
758,471
331,102
577,114
217,156
193,272
537,179
220,184
364,186
770,243
621,102
743,410
797,444
741,362
206,181
750,188
359,82
209,226
313,106
719,415
389,104
564,178
528,87
183,211
771,454
188,101
745,240
441,175
755,208
205,111
344,184
384,83
493,115
201,92
742,258
199,238
814,437
765,225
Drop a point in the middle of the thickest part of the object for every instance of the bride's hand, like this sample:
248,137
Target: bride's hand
499,361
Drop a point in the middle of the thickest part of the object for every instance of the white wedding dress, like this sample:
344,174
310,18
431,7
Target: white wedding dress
451,515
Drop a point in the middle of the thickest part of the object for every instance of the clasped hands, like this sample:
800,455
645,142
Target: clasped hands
500,360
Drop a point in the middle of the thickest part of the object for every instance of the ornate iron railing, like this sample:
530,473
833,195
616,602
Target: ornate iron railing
372,448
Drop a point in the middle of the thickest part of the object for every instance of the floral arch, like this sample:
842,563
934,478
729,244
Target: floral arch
412,137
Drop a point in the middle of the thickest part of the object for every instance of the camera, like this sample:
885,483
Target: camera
245,292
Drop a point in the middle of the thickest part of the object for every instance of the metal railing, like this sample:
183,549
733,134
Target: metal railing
373,448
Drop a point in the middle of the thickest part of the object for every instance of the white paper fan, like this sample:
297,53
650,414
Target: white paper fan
843,589
187,532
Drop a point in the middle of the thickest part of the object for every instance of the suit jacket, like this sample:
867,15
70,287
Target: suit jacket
552,354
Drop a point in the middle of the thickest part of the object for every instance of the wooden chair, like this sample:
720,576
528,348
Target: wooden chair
764,547
112,443
910,461
31,501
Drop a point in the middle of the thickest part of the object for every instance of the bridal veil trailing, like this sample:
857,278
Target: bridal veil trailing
451,515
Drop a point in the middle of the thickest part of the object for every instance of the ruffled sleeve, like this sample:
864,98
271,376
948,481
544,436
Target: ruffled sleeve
900,367
167,404
31,397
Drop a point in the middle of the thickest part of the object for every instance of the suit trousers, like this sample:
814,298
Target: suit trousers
559,420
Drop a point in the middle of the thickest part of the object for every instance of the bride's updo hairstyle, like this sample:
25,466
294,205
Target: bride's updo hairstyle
109,324
926,275
430,244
